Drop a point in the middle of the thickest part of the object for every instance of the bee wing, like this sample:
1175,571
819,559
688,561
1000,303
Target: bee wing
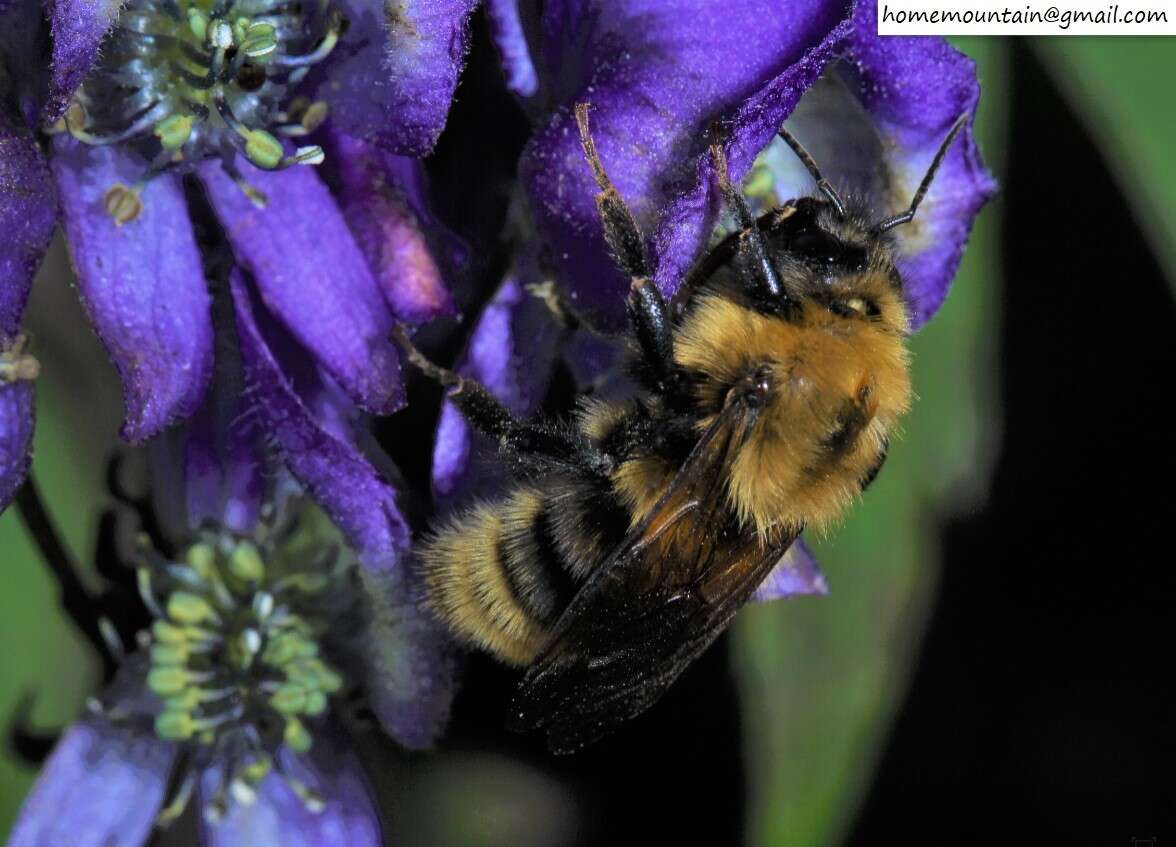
663,595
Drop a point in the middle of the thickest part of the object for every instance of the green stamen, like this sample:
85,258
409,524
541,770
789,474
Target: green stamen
198,23
187,608
245,562
234,656
262,149
217,75
174,131
296,737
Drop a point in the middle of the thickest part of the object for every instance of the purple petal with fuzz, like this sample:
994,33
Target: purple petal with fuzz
142,283
78,27
378,210
397,71
101,787
795,575
408,658
358,499
312,275
409,661
279,818
506,31
914,89
28,213
658,75
686,226
511,351
16,436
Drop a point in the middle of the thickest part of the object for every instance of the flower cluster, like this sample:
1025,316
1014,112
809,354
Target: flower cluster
243,191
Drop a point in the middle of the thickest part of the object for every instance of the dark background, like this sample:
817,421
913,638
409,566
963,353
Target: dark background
1041,710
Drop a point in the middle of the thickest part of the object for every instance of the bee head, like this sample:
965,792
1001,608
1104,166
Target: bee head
829,262
829,252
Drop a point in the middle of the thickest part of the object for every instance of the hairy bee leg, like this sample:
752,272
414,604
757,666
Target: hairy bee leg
767,285
620,229
650,317
647,308
490,417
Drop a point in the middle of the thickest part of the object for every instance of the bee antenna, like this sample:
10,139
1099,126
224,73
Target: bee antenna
888,224
811,166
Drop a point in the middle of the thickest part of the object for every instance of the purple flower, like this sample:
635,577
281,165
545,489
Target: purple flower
665,80
229,702
137,103
262,623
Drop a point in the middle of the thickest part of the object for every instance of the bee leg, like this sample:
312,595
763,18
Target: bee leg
766,286
647,308
563,310
620,229
490,417
653,328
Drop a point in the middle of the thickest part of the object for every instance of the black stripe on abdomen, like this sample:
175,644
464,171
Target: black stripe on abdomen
539,577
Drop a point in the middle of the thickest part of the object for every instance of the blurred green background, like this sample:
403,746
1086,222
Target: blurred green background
820,677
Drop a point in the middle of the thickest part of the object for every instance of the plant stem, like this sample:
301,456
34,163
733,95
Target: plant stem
76,600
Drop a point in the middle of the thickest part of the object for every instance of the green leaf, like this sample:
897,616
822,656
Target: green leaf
77,409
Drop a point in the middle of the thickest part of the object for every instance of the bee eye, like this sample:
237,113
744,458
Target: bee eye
853,307
815,245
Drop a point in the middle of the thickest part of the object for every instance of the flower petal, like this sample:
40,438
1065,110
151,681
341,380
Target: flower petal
388,232
224,470
796,574
914,89
16,436
658,75
101,787
506,30
511,351
78,27
279,818
142,284
396,85
407,656
332,470
28,213
409,661
313,277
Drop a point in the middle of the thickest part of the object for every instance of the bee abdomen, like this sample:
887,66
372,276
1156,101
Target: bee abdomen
497,579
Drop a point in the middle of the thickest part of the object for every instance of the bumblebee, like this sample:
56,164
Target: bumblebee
766,394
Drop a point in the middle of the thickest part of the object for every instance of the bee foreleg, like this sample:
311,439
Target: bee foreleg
765,285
